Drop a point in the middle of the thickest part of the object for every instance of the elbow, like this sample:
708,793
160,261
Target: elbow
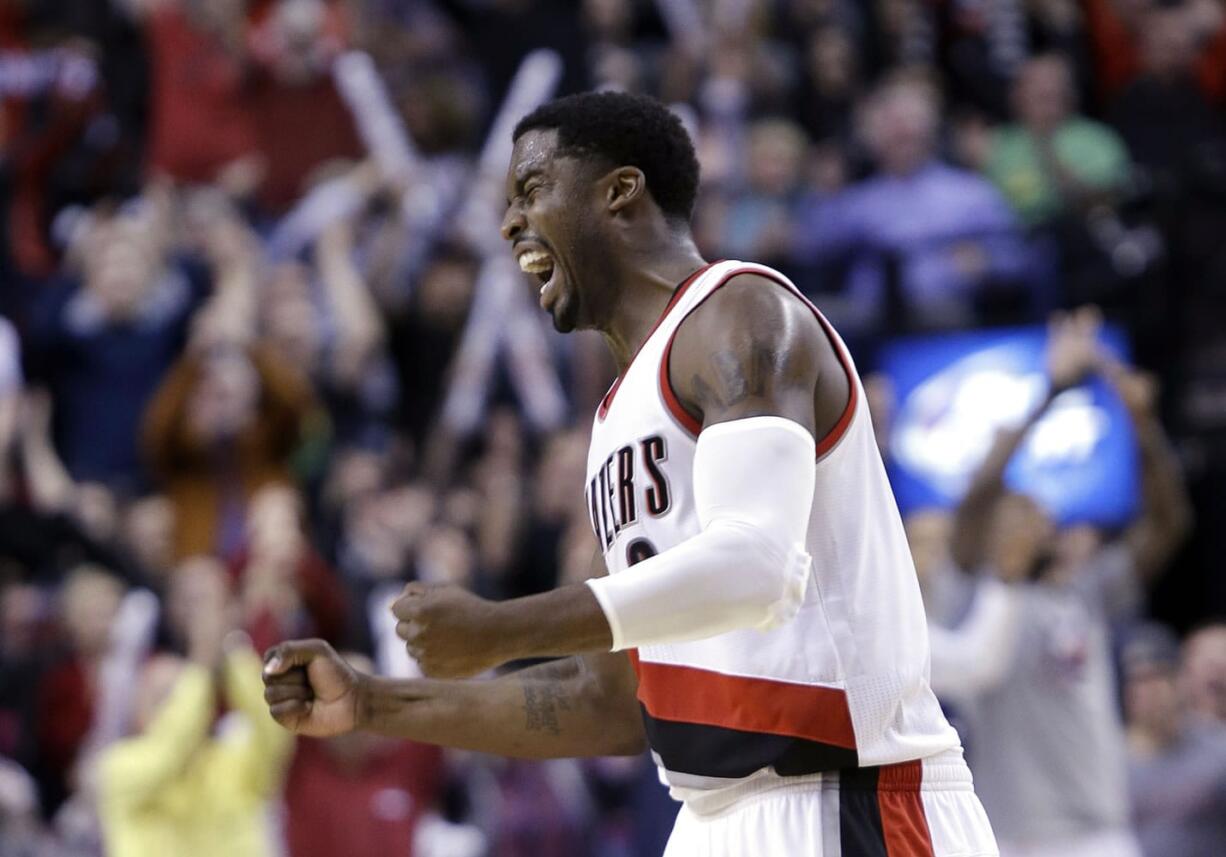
730,577
774,577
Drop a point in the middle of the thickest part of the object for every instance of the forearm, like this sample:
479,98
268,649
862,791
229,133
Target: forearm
973,515
555,710
49,485
561,622
975,656
357,318
1166,511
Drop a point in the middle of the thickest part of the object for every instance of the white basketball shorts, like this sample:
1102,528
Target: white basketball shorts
915,809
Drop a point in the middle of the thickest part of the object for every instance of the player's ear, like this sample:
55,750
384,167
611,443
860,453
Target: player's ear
623,186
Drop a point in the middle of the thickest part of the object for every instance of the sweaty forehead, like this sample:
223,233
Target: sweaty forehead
535,151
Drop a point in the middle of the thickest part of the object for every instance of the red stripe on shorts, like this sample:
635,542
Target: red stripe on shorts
903,822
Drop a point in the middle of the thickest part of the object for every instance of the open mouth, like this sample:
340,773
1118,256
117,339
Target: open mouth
541,265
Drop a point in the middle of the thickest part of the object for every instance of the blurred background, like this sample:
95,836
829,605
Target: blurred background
263,359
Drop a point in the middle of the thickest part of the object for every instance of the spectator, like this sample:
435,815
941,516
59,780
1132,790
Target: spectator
424,339
1202,677
298,120
1050,767
1053,160
1177,763
182,784
226,422
981,43
753,222
67,691
287,589
559,474
947,591
921,234
832,84
103,340
48,523
1118,31
1165,119
325,321
148,535
49,95
199,129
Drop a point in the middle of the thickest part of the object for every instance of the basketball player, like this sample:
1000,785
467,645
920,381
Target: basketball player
760,627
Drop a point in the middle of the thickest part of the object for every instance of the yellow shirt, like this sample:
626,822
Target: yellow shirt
178,791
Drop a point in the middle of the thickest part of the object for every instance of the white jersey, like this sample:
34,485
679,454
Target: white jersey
844,684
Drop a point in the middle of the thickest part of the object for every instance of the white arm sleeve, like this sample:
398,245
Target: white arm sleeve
753,490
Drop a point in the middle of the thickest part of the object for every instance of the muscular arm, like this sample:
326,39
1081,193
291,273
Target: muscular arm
576,707
580,706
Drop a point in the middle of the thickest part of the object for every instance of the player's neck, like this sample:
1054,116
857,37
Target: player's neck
650,277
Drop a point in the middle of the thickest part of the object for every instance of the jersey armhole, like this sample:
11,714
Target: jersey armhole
693,426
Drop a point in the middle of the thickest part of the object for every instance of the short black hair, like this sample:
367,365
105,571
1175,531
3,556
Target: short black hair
626,130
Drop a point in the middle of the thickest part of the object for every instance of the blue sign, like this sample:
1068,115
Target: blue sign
954,392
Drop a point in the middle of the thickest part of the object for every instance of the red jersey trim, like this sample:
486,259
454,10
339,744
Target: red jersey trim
904,825
691,695
687,420
603,410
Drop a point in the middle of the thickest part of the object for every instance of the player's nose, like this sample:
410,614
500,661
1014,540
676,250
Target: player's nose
512,223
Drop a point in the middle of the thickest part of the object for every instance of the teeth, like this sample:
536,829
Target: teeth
534,262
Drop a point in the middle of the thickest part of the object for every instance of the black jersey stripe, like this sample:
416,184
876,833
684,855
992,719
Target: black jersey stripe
717,751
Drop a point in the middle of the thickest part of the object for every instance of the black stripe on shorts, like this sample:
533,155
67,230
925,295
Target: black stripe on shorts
860,831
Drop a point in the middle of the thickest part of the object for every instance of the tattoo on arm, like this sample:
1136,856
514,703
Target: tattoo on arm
542,702
739,377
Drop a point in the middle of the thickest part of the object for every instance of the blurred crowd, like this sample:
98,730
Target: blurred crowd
263,360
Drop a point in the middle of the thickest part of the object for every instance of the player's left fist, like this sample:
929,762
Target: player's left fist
447,630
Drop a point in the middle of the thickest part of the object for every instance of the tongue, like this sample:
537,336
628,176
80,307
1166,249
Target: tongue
547,286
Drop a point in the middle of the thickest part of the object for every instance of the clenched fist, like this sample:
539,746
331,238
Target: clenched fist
310,689
450,632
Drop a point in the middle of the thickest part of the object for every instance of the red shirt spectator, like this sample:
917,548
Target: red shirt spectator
1117,53
199,123
48,93
359,795
299,119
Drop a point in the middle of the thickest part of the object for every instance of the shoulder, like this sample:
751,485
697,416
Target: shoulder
748,309
750,348
967,181
977,194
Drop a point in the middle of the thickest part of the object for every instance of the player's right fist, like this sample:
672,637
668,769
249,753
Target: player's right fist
310,689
